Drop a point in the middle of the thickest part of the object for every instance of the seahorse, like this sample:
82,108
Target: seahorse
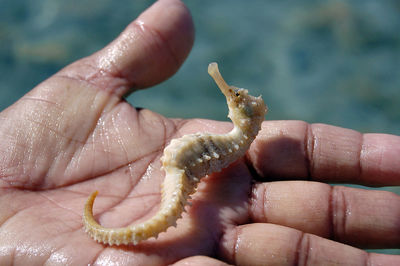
185,161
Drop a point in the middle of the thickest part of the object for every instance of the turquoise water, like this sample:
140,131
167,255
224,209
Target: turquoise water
335,62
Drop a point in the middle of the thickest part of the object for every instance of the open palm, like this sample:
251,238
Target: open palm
74,134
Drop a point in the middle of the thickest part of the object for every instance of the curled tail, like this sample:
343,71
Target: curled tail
175,189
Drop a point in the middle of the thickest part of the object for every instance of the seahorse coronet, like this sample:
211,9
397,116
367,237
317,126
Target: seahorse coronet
185,161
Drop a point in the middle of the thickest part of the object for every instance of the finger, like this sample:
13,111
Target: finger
269,244
295,149
148,51
199,261
363,218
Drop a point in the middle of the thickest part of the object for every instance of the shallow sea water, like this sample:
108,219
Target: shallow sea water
330,61
335,62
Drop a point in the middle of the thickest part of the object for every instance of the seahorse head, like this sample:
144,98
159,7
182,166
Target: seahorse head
244,109
243,105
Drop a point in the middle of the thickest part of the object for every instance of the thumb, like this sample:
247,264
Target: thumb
148,51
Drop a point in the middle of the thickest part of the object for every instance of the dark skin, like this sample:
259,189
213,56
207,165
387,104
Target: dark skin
74,134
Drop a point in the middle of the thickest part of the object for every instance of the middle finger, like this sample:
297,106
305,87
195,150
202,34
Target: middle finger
364,218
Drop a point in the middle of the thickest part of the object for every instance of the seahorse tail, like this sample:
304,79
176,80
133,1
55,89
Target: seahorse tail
172,205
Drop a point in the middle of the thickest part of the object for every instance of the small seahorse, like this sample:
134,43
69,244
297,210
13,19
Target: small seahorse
185,161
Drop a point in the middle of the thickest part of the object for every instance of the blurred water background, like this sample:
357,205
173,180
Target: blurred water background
335,62
327,61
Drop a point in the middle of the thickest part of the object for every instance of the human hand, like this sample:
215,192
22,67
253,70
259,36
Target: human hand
74,134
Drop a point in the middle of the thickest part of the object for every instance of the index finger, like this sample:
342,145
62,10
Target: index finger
296,149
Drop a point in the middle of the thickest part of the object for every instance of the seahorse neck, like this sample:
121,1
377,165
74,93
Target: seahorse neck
245,128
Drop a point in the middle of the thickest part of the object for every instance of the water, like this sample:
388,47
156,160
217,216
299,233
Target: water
335,62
